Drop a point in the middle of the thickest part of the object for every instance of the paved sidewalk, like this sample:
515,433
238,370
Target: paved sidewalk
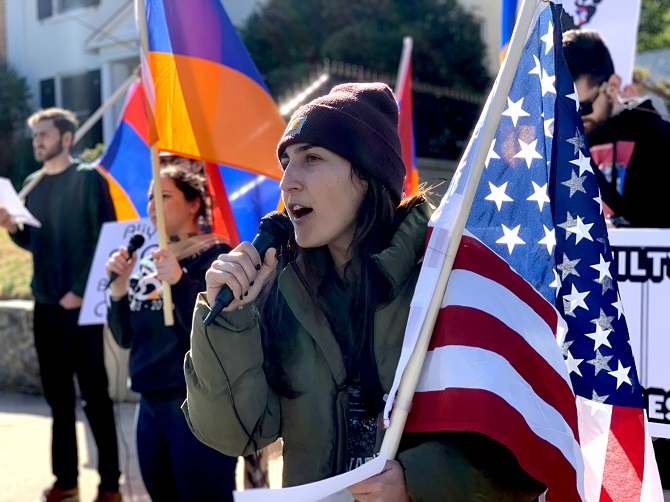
25,438
25,465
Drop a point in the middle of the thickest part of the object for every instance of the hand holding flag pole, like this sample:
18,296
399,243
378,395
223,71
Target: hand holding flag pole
493,111
168,317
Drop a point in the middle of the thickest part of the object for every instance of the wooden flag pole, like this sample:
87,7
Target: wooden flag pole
168,317
492,113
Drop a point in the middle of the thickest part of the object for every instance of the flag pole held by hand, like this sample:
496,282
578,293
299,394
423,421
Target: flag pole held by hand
491,116
168,317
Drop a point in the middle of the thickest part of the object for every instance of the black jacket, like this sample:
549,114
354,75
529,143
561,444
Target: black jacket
631,151
136,322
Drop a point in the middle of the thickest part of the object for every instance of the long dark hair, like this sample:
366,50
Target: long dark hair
377,219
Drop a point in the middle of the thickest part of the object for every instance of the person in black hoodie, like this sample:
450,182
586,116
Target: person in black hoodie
175,465
627,136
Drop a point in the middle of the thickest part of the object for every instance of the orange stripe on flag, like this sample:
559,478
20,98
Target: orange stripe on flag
209,111
223,222
122,204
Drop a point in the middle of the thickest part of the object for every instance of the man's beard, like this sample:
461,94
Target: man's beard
47,155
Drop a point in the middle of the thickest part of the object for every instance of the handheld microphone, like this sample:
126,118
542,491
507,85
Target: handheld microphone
136,242
275,229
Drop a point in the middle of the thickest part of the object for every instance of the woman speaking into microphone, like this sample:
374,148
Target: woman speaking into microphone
174,464
309,344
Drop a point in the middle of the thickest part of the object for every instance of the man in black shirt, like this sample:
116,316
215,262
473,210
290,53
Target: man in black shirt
627,137
71,201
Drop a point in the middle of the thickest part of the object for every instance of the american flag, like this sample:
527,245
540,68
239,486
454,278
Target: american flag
531,346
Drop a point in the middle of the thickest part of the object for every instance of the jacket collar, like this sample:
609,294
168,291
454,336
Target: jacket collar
395,264
406,249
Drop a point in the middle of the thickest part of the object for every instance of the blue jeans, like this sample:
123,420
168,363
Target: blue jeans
175,465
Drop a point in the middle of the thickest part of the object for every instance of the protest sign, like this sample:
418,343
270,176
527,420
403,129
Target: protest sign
112,236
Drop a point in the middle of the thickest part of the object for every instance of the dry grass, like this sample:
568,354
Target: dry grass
16,269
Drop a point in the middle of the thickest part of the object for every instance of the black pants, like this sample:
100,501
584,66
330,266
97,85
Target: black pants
175,465
662,451
65,349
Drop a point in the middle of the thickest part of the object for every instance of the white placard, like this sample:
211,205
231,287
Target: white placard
112,235
9,199
616,21
642,258
327,490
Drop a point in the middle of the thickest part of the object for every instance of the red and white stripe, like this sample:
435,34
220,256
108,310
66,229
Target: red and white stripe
494,367
616,445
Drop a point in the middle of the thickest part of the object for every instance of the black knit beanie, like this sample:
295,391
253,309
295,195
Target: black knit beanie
358,122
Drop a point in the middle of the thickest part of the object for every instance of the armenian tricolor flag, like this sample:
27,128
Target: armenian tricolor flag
127,166
210,100
205,99
403,93
126,162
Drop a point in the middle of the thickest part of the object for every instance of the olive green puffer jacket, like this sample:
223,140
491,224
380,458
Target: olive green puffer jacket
313,425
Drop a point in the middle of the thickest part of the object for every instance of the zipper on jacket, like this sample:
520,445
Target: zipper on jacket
333,461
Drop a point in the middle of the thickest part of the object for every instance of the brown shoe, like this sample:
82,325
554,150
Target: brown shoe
108,497
55,494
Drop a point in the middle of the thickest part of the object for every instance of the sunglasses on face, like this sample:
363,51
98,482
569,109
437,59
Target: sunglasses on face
586,107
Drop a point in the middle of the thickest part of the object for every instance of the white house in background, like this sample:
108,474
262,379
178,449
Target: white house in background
76,53
489,13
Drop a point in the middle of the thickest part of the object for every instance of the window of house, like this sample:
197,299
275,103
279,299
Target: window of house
80,94
48,93
47,8
44,8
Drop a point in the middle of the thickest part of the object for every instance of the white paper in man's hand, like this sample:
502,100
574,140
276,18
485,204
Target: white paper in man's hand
327,490
9,199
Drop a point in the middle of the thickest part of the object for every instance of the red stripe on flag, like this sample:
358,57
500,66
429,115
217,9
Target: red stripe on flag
472,327
135,113
406,132
223,222
625,455
476,257
484,413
